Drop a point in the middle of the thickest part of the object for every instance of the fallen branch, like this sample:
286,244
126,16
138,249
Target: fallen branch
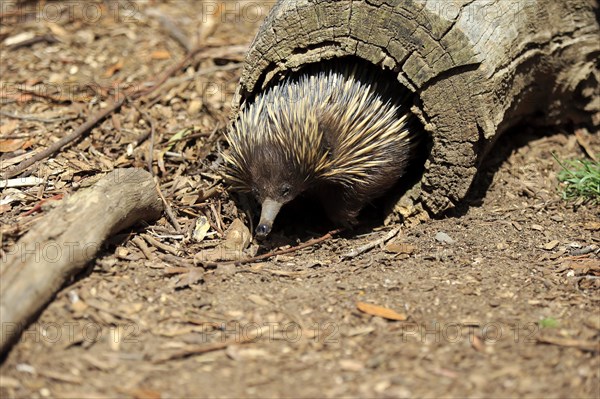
59,246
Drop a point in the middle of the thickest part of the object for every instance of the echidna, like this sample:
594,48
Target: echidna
334,133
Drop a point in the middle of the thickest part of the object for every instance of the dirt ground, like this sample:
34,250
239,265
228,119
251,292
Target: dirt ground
500,296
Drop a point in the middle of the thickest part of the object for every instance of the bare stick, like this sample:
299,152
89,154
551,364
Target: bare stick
204,52
169,210
268,255
167,248
175,32
200,349
309,243
34,118
372,244
148,119
60,244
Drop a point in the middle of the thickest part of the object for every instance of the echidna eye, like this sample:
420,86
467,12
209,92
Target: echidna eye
285,190
255,191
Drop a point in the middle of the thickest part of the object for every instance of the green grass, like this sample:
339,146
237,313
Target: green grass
580,179
549,322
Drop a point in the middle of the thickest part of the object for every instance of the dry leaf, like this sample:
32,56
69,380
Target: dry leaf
380,311
11,145
144,393
8,127
593,226
111,70
160,55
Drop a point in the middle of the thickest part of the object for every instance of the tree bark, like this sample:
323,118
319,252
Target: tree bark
59,246
476,67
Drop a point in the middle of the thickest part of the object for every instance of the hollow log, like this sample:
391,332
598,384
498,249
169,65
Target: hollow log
476,68
59,246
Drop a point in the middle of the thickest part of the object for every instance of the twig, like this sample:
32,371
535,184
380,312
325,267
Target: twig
34,93
167,248
152,131
168,209
372,244
37,118
80,131
198,350
204,51
210,192
174,31
253,259
588,346
143,93
30,42
38,207
204,71
308,243
21,182
141,244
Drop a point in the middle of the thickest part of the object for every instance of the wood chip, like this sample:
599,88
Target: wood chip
477,344
143,393
517,226
380,311
351,365
399,248
584,141
551,245
238,236
200,229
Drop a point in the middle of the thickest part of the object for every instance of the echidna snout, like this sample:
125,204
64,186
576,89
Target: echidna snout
270,209
332,132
